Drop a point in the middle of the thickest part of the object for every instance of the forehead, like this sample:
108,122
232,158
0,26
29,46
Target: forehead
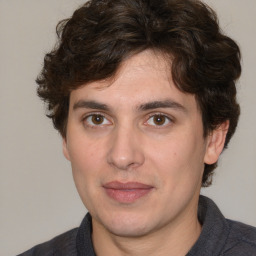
142,78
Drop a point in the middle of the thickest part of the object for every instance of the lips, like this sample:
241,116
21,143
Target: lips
126,192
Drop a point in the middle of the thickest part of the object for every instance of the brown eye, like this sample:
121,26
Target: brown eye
97,119
158,120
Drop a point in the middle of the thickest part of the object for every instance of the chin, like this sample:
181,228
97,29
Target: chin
128,230
127,225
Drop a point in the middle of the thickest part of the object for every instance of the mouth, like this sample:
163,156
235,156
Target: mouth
126,192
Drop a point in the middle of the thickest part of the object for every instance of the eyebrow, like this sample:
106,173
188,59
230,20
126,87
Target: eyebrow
142,107
90,105
162,104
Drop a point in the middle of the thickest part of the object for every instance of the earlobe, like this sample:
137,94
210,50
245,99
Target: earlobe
65,149
215,143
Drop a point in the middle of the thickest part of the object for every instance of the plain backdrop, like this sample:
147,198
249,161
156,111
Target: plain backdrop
38,199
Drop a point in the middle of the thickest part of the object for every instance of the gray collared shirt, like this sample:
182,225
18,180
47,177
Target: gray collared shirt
219,237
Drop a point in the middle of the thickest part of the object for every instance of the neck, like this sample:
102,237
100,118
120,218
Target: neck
174,239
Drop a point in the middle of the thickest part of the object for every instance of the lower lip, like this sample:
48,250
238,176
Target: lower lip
127,195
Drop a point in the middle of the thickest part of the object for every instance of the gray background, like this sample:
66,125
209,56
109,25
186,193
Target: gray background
38,199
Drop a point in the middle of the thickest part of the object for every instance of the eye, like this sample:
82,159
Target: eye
96,120
158,120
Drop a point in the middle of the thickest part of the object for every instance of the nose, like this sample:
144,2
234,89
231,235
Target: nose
126,151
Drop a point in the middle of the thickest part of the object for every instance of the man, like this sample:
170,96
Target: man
143,93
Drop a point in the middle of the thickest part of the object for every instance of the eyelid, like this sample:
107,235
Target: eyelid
90,114
170,119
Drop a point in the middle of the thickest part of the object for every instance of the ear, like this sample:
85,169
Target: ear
65,148
215,143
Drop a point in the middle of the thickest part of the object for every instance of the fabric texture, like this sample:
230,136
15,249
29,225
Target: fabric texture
219,237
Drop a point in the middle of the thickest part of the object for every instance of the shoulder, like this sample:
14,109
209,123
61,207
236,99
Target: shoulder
241,239
64,244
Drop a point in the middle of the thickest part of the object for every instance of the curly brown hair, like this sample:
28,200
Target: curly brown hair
103,33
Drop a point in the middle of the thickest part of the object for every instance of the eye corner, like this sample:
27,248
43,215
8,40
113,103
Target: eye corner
96,120
158,120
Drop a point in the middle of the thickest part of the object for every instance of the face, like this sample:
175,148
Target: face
137,149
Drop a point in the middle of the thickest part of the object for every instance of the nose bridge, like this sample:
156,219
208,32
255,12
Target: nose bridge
125,150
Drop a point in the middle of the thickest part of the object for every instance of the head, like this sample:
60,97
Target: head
103,34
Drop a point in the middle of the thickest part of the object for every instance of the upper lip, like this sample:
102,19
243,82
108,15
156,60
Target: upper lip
126,185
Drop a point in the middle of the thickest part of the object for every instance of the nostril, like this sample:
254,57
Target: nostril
125,158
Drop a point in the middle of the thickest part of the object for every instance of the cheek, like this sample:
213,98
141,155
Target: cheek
86,164
179,159
83,151
86,160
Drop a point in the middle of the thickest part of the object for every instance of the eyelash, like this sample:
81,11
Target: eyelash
101,115
167,118
85,120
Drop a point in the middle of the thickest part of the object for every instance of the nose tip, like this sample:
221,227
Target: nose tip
123,163
125,151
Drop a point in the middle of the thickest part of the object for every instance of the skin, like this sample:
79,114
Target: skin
127,138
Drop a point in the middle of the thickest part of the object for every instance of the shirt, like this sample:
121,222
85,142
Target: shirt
219,237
